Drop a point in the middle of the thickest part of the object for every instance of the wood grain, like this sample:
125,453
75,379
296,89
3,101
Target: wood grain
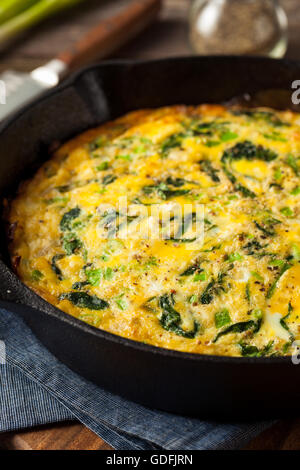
285,435
107,37
167,37
67,436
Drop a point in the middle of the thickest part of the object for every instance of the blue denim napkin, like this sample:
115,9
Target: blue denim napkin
36,389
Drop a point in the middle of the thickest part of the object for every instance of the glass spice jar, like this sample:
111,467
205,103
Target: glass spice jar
253,27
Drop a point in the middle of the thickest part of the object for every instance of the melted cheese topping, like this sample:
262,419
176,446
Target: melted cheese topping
236,294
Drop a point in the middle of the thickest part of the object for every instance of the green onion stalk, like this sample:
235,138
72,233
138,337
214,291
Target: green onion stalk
12,8
16,16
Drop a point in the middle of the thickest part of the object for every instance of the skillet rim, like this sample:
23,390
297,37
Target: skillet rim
85,327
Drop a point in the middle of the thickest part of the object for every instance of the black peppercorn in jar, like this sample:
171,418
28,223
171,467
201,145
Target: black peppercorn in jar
253,27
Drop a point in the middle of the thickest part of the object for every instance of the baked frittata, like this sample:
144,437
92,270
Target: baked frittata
236,294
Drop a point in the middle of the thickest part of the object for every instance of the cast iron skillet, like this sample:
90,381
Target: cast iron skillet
198,385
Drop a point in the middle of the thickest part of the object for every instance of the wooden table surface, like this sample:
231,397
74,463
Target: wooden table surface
167,37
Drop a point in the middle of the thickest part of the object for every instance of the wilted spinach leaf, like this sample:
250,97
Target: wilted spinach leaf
71,243
207,166
249,151
175,140
216,286
68,218
240,327
273,286
248,350
164,192
222,318
84,300
108,179
171,319
55,268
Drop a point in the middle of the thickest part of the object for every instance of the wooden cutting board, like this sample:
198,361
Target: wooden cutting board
166,37
69,436
66,436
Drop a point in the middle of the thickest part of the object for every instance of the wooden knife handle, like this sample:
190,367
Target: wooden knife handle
112,33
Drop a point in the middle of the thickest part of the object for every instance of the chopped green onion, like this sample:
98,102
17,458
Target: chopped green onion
124,157
193,299
277,262
222,318
257,276
234,257
20,15
121,303
275,136
295,251
212,143
103,166
200,277
36,275
287,211
11,8
227,136
292,163
296,191
94,276
278,175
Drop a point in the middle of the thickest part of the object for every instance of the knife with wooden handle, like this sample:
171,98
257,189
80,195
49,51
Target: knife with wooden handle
18,89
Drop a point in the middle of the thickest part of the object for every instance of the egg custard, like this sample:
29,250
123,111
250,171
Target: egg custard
236,294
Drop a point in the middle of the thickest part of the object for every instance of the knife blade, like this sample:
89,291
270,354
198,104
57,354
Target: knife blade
105,38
